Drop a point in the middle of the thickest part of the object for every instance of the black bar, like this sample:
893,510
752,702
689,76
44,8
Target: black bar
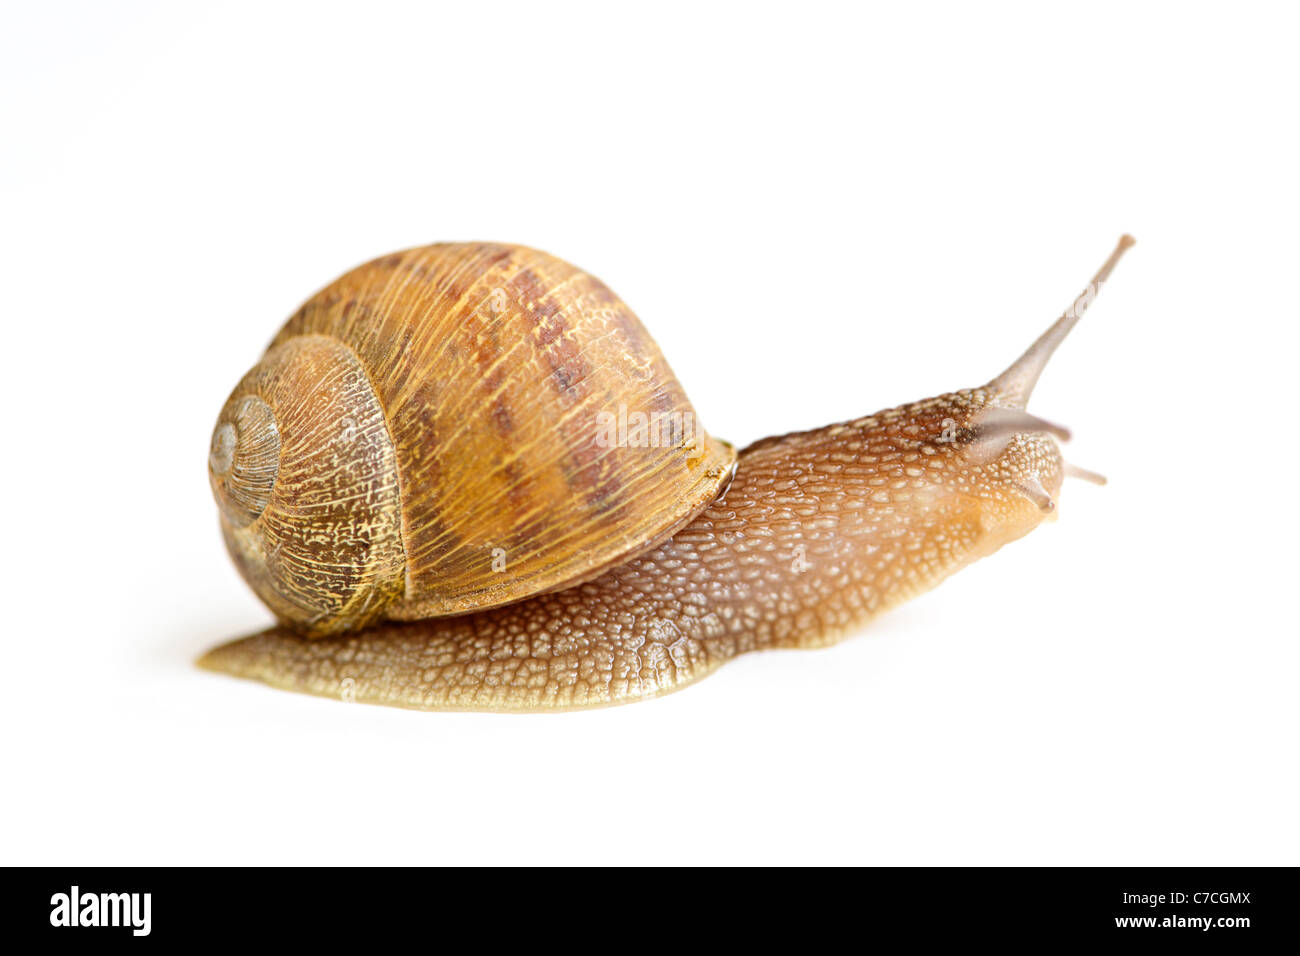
335,907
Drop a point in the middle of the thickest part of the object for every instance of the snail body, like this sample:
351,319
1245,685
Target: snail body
818,532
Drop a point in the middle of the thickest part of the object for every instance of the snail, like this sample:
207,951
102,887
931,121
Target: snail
463,477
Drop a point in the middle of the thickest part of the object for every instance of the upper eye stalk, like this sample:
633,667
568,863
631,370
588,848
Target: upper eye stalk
1014,386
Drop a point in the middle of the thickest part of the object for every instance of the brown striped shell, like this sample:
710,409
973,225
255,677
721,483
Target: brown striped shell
449,429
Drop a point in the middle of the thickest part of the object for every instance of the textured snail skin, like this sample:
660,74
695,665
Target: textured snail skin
819,532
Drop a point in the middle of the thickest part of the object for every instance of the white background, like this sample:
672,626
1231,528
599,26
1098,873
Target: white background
819,211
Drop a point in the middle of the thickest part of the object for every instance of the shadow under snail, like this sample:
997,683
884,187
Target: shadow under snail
463,477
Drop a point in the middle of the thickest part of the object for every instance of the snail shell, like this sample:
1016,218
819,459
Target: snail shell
422,438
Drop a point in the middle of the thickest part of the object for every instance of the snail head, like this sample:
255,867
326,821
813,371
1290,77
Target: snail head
1012,455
